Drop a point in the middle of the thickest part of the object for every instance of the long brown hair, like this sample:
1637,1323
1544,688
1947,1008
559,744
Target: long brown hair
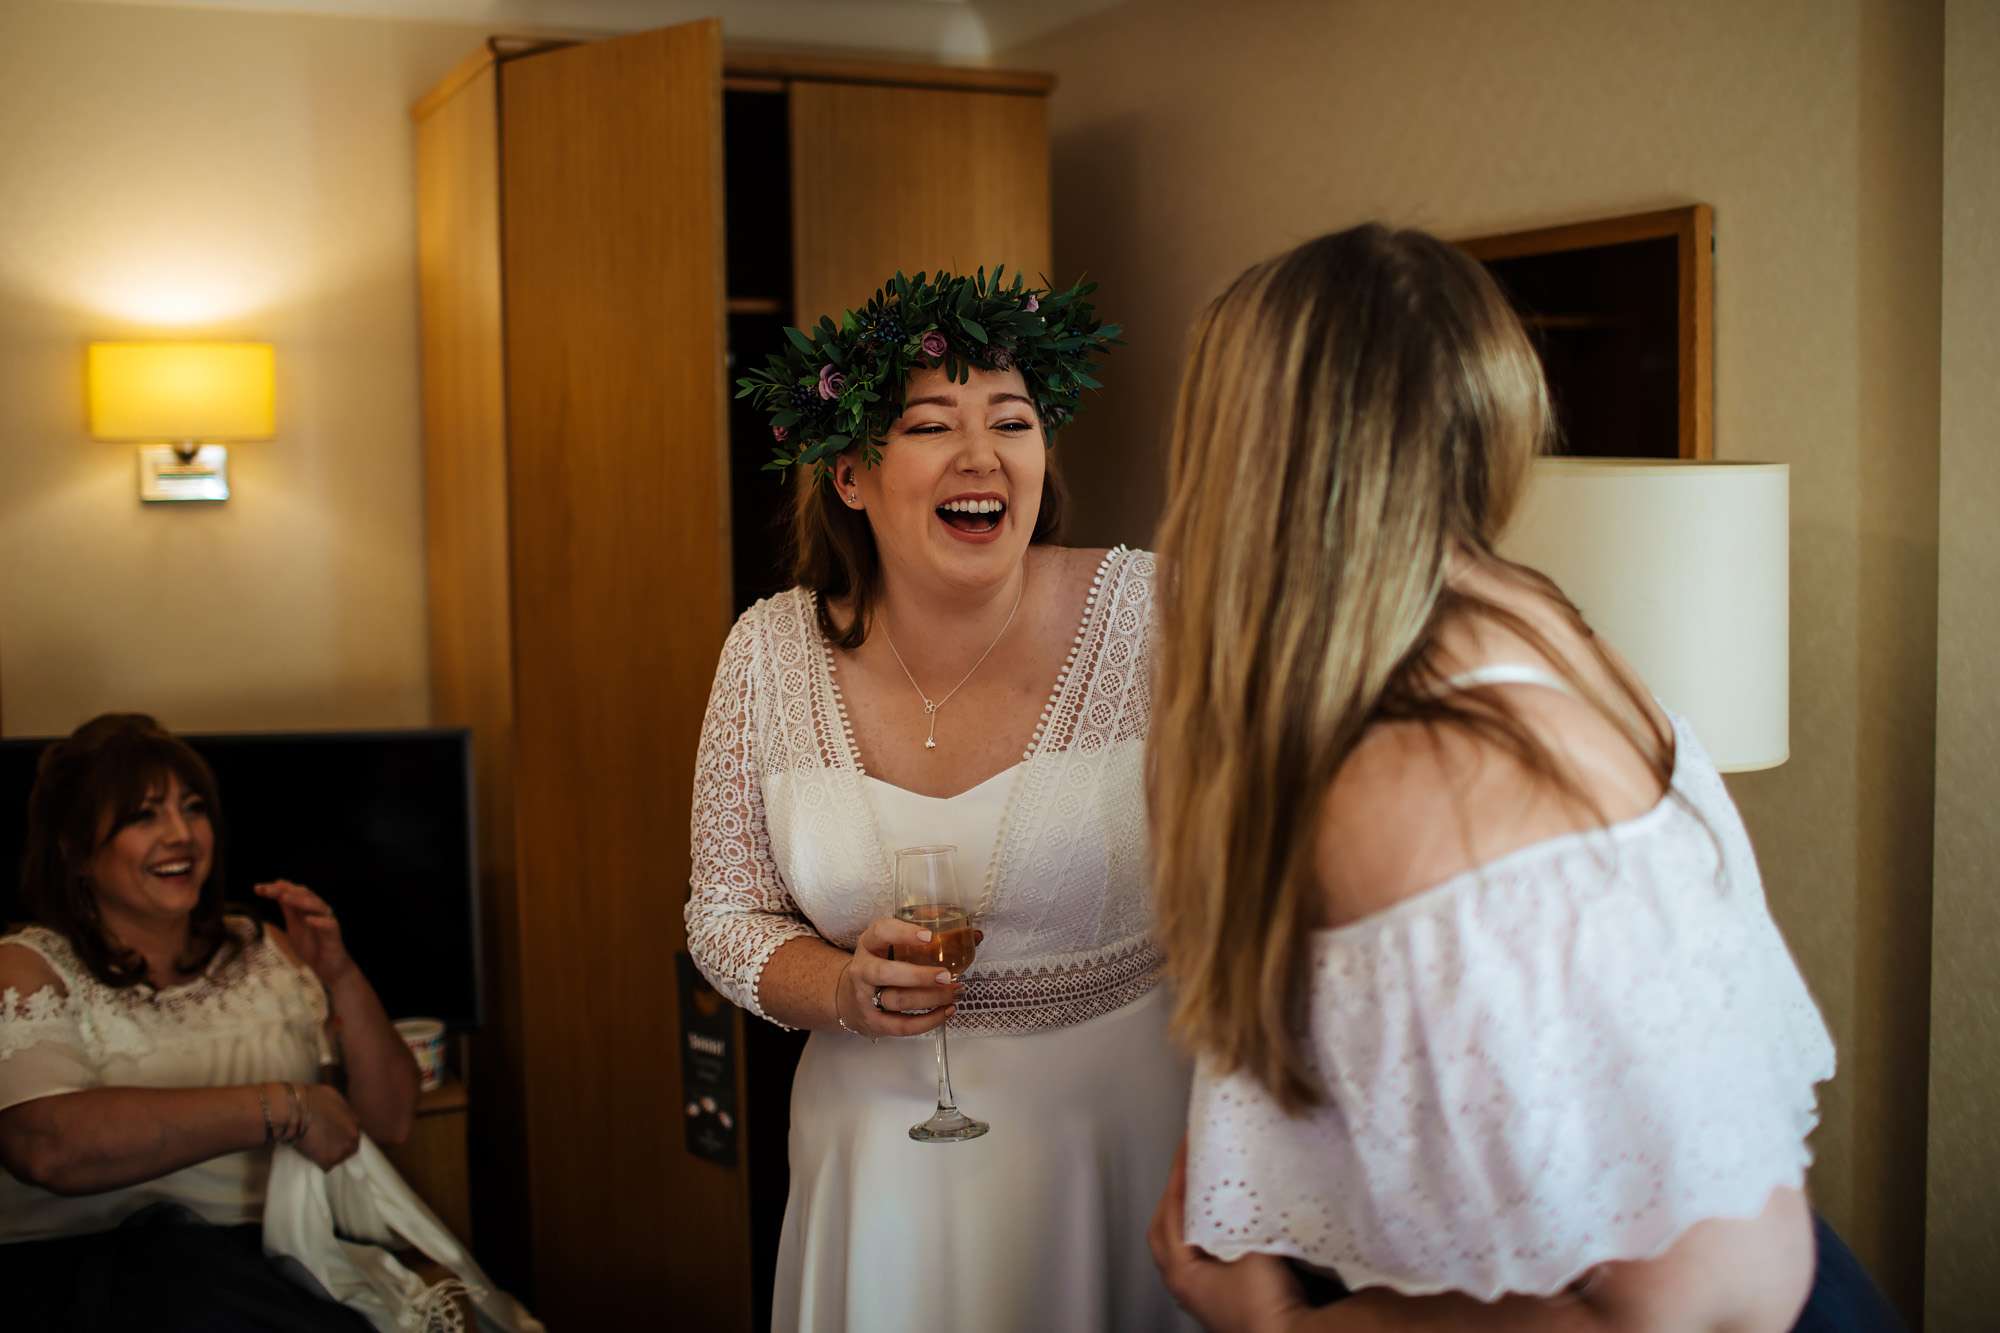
1353,413
834,552
87,788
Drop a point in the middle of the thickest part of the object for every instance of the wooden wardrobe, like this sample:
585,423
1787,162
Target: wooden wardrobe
603,228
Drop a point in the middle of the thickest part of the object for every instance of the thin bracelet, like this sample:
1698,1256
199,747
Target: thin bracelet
270,1130
305,1116
840,984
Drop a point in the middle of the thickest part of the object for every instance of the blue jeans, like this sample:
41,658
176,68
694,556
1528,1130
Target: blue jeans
1844,1298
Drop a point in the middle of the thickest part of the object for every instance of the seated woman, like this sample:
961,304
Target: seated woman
1494,1024
154,1049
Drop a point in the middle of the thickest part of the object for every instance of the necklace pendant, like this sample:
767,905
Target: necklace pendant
930,743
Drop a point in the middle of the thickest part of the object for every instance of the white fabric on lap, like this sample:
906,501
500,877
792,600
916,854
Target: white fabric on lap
339,1225
1568,1056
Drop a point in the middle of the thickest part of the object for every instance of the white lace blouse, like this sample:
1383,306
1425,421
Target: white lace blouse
1567,1056
786,845
253,1016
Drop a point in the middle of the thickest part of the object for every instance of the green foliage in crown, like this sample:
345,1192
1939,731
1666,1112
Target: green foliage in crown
836,387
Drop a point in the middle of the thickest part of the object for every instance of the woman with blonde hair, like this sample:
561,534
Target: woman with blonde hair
1493,1024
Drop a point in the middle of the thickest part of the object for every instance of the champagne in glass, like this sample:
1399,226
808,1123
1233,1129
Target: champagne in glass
927,895
951,945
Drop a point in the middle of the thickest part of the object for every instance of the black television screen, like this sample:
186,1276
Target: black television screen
380,824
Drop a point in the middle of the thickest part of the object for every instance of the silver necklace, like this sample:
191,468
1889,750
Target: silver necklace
931,707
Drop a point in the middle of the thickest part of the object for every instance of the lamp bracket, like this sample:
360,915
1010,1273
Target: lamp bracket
166,474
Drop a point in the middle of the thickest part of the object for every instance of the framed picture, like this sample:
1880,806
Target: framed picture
1622,312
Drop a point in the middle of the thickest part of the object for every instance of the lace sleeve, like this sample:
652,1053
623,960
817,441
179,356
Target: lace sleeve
41,1046
739,910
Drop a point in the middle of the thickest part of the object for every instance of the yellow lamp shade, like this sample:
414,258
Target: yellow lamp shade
181,391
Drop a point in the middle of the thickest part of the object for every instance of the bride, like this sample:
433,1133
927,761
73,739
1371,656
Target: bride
944,674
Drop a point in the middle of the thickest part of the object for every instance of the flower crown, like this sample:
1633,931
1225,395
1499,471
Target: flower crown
833,387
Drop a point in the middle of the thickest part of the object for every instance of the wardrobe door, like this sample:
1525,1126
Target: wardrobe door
912,178
612,176
471,633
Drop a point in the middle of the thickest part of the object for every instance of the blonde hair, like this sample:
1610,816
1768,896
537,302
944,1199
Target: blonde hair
1353,412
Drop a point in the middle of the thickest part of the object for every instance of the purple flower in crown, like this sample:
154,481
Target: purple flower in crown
831,382
934,345
780,434
1031,305
1002,359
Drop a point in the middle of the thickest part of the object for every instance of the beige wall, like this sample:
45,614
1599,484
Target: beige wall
1964,1233
190,174
1192,138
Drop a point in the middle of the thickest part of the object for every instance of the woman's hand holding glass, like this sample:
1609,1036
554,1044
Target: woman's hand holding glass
914,997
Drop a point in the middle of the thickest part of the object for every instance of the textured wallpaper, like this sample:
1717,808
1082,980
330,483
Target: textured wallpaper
185,174
1964,1230
1190,139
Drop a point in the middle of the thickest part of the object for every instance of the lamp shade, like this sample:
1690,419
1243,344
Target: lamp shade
147,391
1684,567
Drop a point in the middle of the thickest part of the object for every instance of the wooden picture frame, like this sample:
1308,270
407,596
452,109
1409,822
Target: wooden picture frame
1601,291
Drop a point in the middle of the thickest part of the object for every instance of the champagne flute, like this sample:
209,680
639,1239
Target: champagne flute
927,896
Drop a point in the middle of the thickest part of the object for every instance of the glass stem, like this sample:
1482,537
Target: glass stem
946,1102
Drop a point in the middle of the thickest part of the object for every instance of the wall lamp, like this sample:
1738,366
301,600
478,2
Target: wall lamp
182,402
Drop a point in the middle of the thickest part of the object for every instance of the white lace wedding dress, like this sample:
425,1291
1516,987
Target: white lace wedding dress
1060,1039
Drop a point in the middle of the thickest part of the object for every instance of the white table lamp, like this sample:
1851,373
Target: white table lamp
1684,567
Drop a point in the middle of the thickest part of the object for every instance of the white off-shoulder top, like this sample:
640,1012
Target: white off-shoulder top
1567,1056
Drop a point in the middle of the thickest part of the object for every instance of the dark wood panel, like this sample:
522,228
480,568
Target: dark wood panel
1690,288
1583,235
856,218
754,63
467,568
613,181
1696,239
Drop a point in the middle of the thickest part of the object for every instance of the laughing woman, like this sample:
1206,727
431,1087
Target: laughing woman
944,674
154,1049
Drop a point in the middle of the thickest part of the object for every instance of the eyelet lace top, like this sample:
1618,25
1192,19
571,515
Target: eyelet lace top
1564,1057
253,1016
786,845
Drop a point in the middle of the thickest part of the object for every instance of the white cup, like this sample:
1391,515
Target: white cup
425,1038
